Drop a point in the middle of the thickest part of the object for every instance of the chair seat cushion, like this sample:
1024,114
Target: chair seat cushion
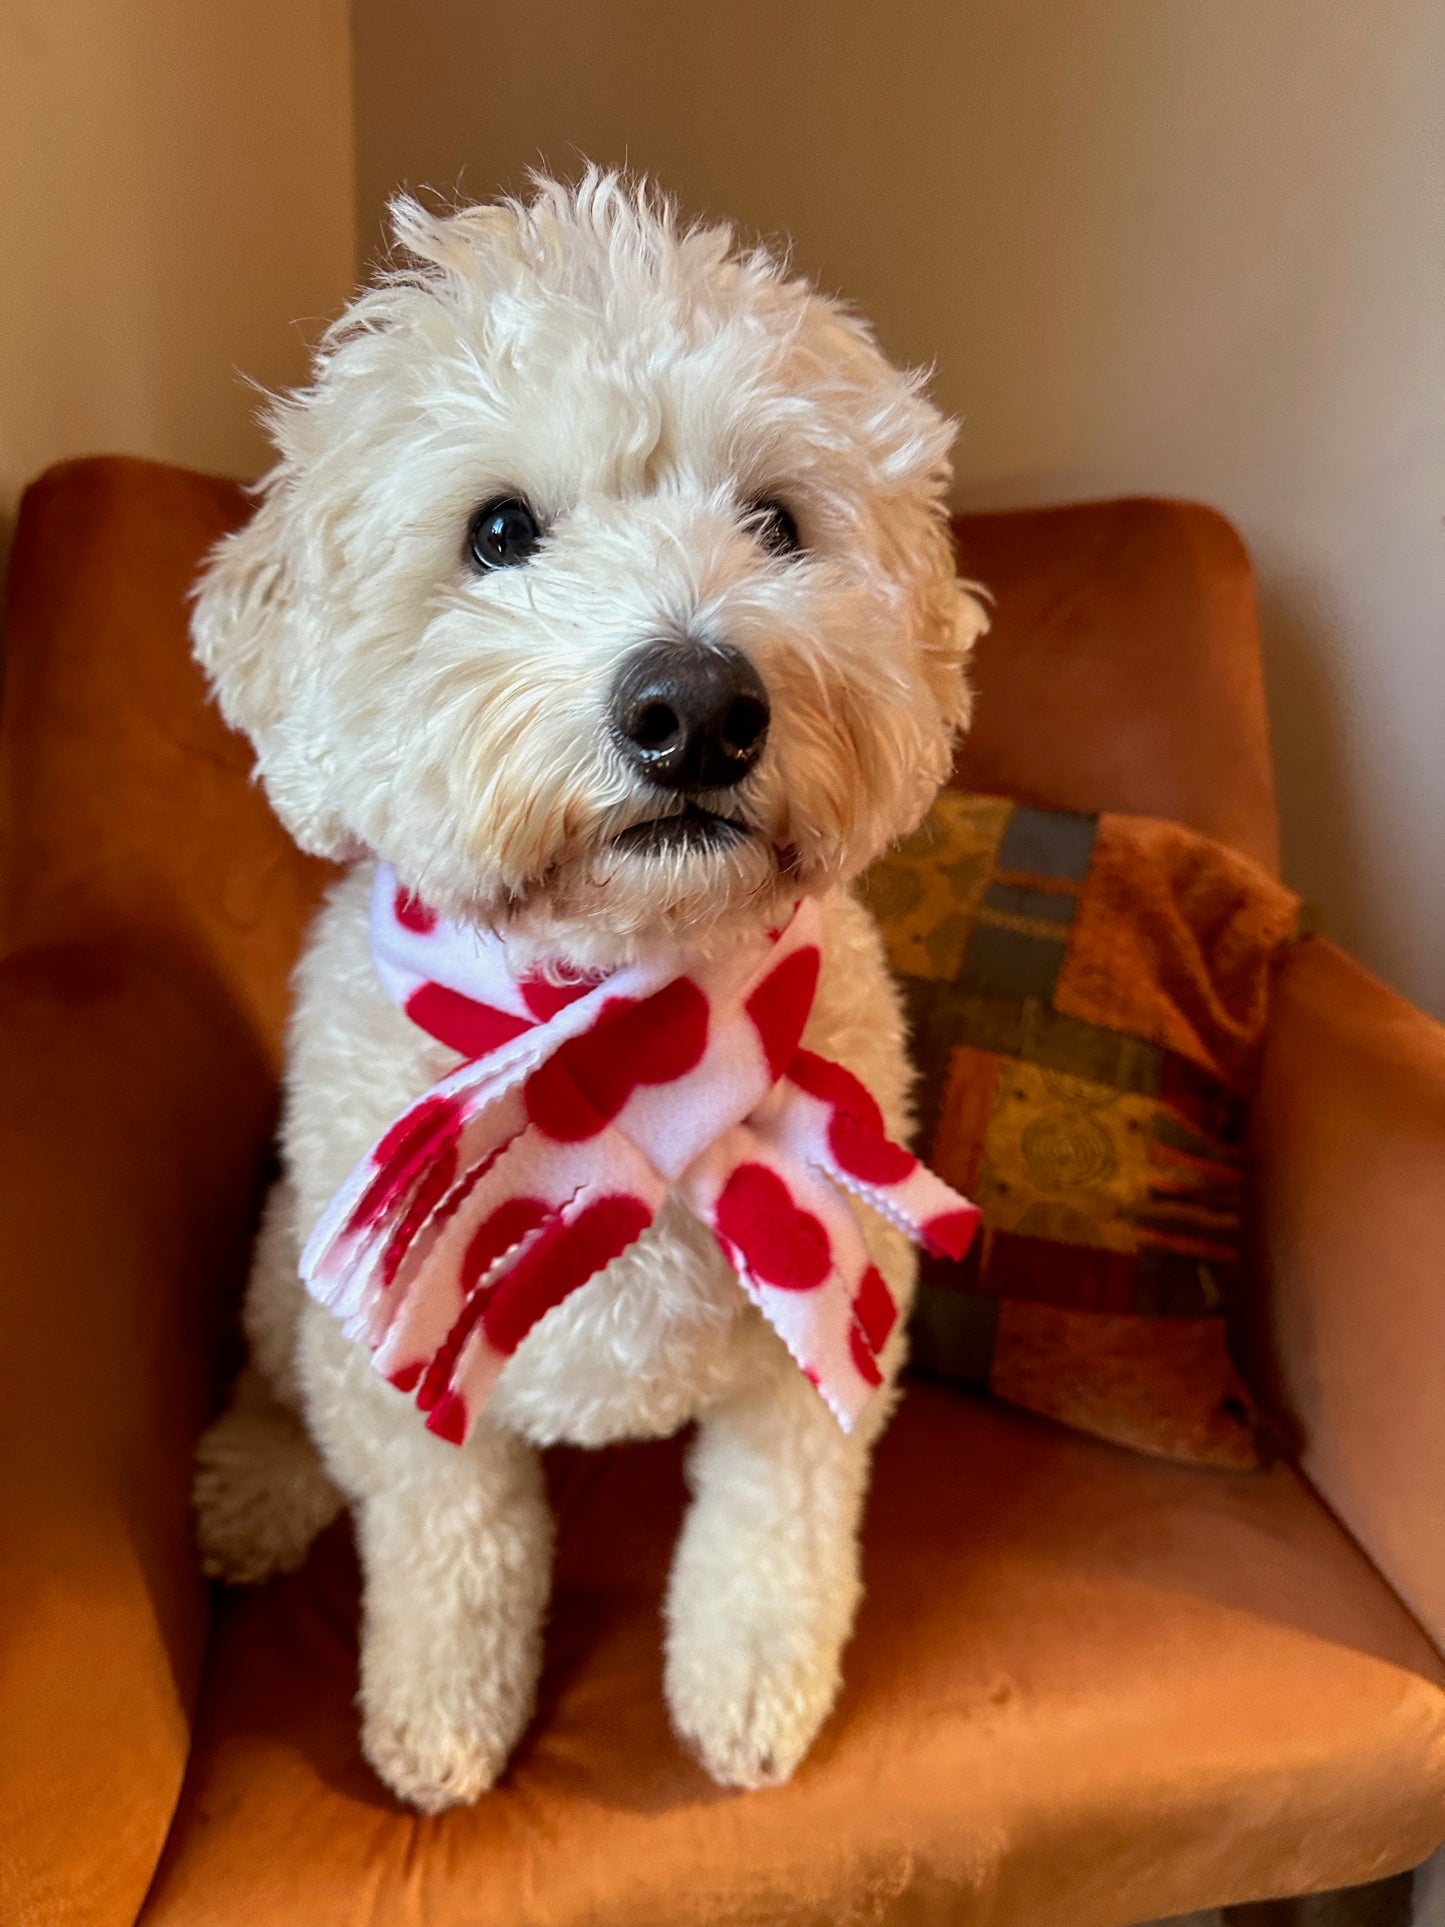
1086,1687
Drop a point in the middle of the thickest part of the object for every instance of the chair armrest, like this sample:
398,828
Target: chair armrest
133,1112
1349,1151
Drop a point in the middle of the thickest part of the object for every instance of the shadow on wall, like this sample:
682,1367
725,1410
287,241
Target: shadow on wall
1321,847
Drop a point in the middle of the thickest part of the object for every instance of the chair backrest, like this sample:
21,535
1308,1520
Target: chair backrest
1123,668
1122,672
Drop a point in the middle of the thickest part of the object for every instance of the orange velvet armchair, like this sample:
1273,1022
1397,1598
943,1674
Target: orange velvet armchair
1086,1687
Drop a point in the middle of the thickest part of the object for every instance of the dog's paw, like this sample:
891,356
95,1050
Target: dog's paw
446,1691
430,1761
260,1495
748,1702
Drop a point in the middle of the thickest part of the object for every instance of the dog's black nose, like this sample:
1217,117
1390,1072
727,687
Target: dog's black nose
690,716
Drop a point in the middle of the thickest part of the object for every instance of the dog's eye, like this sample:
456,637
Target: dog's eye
502,534
775,527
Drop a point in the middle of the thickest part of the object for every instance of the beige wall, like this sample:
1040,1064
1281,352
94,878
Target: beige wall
1192,246
176,193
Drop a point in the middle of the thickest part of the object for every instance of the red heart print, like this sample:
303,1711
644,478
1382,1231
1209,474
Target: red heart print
563,1257
856,1136
655,1041
777,1241
461,1023
412,914
779,1006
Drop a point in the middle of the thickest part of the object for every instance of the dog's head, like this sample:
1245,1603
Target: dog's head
603,581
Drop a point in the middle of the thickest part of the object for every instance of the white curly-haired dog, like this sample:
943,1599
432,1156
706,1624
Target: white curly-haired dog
568,431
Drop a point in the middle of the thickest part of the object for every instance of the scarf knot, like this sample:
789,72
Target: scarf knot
579,1106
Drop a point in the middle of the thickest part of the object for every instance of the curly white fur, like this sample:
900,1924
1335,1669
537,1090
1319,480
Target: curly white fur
640,385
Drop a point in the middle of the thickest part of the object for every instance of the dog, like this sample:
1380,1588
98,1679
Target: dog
564,441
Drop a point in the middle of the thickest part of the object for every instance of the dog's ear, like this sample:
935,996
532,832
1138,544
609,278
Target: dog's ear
258,639
971,621
956,614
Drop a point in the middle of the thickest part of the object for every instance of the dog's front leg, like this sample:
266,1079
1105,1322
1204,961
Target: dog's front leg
765,1580
456,1555
456,1560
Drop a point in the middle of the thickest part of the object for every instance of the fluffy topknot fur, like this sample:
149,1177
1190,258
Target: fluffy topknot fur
640,383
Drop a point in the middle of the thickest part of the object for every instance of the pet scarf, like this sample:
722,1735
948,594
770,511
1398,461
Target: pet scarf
580,1105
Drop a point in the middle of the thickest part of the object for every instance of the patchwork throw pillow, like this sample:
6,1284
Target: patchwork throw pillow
1088,996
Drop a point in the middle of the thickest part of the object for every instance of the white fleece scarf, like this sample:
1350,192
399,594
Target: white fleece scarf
578,1107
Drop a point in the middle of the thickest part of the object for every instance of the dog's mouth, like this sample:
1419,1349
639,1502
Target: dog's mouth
690,829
